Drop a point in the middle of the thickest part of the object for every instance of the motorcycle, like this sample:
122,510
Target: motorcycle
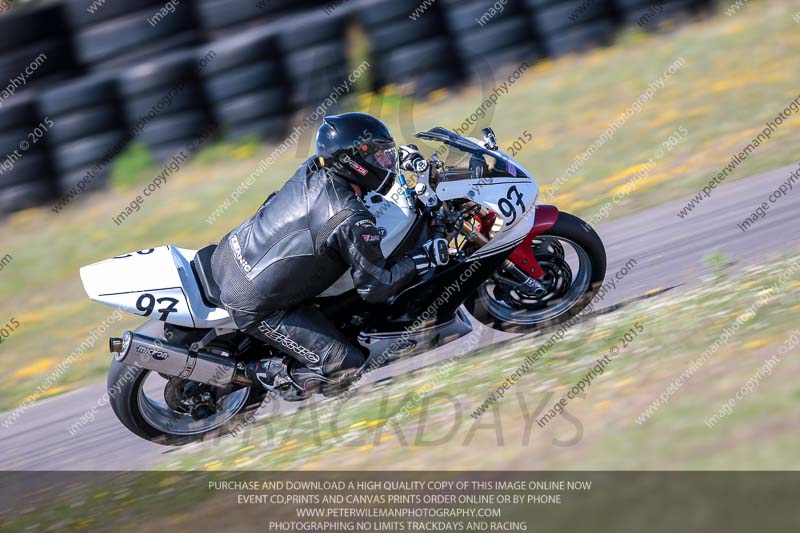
513,265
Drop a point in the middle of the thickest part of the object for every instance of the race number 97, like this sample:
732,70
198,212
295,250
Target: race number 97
146,304
508,205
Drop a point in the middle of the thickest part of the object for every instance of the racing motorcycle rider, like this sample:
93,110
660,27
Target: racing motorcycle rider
305,237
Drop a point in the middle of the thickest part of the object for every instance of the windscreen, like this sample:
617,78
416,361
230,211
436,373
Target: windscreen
466,159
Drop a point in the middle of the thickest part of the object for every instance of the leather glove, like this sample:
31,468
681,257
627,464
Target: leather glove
422,262
409,154
434,253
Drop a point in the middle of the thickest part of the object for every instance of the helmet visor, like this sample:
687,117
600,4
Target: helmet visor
384,156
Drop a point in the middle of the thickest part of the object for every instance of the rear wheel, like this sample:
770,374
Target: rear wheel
574,260
173,411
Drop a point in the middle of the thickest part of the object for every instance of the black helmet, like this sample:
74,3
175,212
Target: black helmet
359,148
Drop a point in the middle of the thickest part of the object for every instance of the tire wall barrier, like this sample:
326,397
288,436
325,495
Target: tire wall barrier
81,79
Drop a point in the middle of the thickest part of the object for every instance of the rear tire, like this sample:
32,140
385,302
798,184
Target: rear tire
569,228
125,381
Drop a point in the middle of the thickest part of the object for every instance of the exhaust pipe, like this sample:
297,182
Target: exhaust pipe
135,349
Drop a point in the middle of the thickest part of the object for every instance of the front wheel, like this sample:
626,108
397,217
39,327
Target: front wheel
574,261
175,411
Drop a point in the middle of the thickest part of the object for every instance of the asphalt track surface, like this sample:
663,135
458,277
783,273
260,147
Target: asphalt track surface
669,252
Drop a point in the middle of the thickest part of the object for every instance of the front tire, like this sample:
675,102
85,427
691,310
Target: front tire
158,423
504,309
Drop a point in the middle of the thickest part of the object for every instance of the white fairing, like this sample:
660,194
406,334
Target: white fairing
518,195
394,219
158,283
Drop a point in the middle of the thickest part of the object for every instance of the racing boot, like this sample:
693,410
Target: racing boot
290,380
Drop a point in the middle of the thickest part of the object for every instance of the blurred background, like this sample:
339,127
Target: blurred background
108,74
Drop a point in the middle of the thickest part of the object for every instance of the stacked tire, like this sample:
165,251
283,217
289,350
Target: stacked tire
164,103
650,14
315,50
488,36
115,34
87,131
25,173
247,87
573,25
35,47
221,18
409,45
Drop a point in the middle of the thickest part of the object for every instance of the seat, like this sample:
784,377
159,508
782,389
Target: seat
201,264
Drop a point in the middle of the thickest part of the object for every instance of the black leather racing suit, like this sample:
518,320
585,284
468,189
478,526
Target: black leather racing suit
301,240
